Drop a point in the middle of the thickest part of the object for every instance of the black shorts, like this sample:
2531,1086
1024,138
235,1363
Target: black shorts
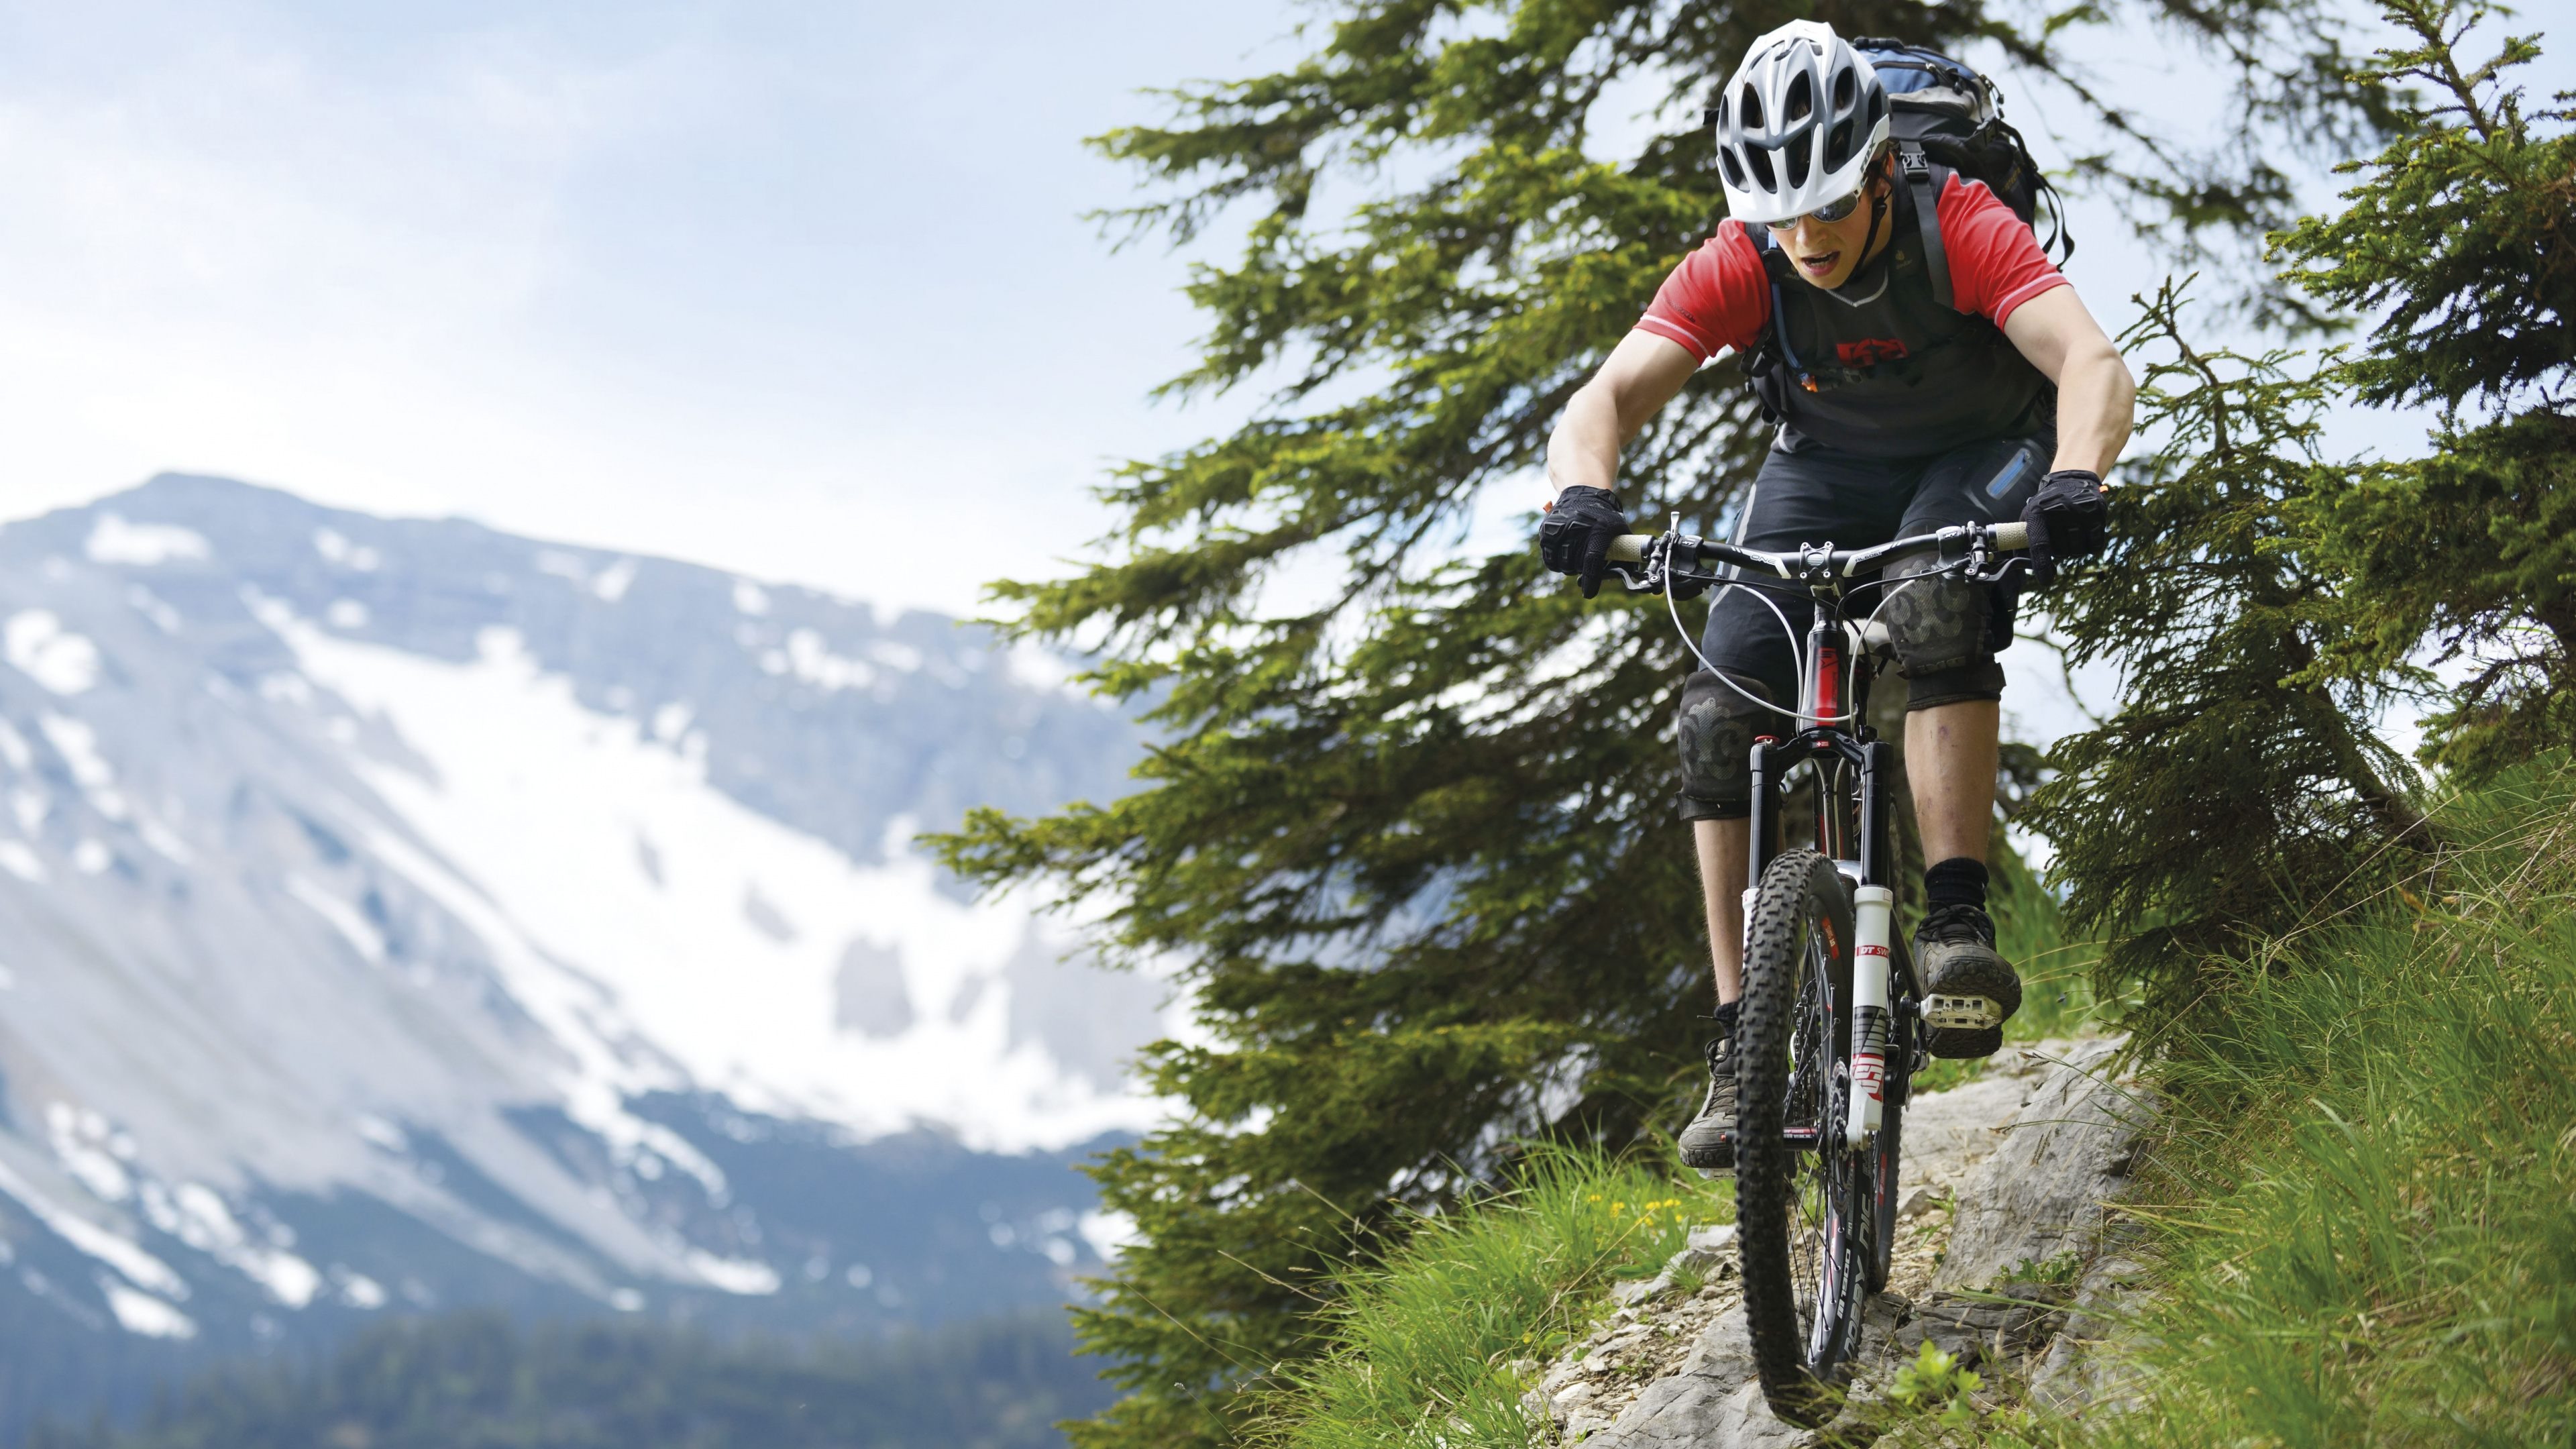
1817,495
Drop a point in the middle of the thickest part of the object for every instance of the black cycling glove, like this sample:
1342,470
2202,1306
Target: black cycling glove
1575,536
2066,522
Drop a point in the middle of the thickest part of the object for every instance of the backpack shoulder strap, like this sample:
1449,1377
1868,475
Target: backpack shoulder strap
1925,182
1775,260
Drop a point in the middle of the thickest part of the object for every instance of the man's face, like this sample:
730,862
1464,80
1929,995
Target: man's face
1827,253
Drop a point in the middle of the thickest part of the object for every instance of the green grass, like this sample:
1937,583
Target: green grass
2364,1209
1425,1344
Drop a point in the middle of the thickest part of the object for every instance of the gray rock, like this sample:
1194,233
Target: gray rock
1975,1332
2086,1367
1715,1400
1640,1290
1712,1238
2039,1197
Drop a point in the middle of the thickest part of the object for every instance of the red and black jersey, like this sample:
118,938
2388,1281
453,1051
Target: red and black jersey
1877,366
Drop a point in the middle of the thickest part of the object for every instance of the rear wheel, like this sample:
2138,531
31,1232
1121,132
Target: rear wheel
1807,1206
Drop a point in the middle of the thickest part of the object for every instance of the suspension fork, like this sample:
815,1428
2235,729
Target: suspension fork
1873,961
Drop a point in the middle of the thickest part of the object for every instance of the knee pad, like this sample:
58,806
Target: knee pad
1942,630
1950,686
1717,730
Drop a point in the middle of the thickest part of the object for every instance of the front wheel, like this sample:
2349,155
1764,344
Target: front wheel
1805,1203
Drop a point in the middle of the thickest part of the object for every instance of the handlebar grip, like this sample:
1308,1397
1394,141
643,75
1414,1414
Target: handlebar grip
2013,535
1629,547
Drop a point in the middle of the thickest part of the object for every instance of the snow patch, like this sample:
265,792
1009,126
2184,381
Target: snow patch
139,1267
750,598
150,606
745,1276
38,645
164,840
77,743
329,543
354,927
80,1141
112,540
614,581
529,838
345,614
818,665
196,1215
144,1314
357,1290
381,1133
21,862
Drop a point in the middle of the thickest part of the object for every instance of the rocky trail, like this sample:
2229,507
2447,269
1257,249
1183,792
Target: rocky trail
2005,1178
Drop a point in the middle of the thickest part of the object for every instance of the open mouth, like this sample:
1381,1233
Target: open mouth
1821,264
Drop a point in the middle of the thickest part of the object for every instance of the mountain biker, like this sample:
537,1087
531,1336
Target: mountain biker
2009,401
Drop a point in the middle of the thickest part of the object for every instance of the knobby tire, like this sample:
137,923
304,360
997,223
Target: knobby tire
1808,1215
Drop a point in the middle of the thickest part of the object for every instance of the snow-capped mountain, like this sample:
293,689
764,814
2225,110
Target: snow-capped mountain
403,912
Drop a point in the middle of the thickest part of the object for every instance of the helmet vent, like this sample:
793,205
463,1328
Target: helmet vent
1798,124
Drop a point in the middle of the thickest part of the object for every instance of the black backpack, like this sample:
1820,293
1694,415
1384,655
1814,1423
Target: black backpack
1941,113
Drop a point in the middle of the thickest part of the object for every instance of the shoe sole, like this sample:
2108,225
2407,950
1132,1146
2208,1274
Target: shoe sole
1967,1013
1717,1161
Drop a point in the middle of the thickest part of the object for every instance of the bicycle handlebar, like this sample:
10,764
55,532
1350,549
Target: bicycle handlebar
2005,537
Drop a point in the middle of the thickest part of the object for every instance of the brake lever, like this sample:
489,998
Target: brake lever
1651,580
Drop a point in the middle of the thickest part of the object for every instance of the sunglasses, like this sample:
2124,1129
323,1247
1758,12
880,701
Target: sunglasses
1830,212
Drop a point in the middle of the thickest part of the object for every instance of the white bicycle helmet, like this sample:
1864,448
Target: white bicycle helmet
1798,125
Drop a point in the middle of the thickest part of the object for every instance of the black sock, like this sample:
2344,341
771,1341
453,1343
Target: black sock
1726,1012
1957,881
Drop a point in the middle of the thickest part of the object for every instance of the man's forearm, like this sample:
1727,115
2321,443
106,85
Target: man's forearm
1584,449
2096,408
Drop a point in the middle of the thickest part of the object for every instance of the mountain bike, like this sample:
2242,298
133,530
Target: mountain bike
1833,1025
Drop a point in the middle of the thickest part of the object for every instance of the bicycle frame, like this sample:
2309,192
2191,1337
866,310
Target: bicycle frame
1835,691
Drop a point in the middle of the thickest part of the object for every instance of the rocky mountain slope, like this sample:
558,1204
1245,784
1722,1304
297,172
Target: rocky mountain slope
403,913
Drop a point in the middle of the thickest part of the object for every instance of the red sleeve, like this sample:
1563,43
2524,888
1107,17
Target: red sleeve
1719,297
1995,263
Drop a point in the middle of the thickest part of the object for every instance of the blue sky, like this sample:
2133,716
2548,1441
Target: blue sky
776,286
787,288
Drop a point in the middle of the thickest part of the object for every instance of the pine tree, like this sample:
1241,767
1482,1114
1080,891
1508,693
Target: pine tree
2462,235
2268,605
1409,832
2238,780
